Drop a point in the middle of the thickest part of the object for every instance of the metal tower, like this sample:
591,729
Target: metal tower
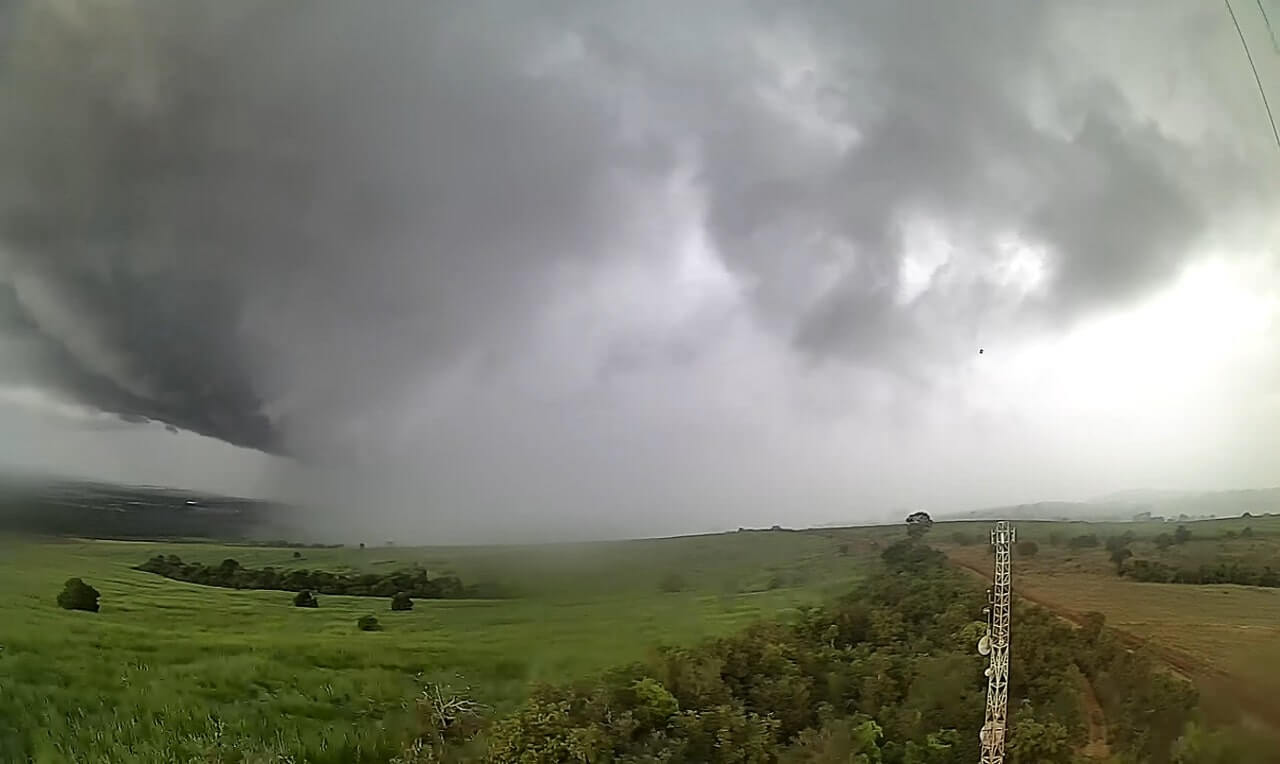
996,645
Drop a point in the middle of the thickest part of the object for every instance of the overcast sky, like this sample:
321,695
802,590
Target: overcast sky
454,270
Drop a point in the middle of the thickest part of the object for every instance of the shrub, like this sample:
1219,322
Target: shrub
1083,542
672,582
77,595
401,601
297,555
368,623
305,598
1247,532
1164,541
1027,548
1181,535
844,550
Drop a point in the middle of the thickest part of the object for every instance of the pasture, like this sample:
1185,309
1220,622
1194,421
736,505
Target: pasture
171,671
1225,637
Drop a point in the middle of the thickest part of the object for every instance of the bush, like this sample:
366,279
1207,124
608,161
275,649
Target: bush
1164,541
1181,535
671,583
1027,548
368,623
1083,542
401,601
1247,533
297,555
77,595
844,550
305,598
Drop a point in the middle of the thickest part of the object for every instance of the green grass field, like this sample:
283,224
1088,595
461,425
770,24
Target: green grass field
170,671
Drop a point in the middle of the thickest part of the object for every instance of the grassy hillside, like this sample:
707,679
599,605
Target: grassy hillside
170,671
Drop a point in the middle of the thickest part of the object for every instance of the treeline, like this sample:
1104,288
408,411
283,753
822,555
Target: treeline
1218,573
888,673
232,575
1156,571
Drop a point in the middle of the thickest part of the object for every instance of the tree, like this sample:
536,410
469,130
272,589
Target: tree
77,595
1083,542
297,555
305,598
918,523
401,601
1027,548
671,583
1164,541
1181,535
368,623
1119,555
1247,532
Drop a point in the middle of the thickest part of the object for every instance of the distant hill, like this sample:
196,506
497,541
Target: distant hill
1128,504
40,504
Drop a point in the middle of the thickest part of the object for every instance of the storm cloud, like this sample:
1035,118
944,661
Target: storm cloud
315,230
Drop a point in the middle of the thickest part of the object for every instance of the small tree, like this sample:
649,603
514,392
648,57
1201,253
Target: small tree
305,598
1118,556
672,582
1181,535
297,555
368,623
401,601
918,524
1164,541
77,595
1027,548
1247,532
1083,541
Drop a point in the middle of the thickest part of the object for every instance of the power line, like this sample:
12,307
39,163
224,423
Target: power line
1266,20
1261,91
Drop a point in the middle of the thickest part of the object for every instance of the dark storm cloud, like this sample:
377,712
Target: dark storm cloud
275,227
211,214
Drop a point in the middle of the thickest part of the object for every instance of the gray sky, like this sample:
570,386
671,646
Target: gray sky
610,267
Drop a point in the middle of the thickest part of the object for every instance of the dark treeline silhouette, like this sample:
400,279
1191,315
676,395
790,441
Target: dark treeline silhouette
231,575
1217,573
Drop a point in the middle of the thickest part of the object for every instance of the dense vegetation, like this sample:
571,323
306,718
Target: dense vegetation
887,674
77,595
1218,571
230,574
1214,573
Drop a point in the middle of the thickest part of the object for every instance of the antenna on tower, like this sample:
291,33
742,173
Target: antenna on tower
996,645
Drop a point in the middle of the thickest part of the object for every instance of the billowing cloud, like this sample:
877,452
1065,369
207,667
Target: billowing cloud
321,230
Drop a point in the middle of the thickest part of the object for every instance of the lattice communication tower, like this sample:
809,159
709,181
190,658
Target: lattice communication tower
996,645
